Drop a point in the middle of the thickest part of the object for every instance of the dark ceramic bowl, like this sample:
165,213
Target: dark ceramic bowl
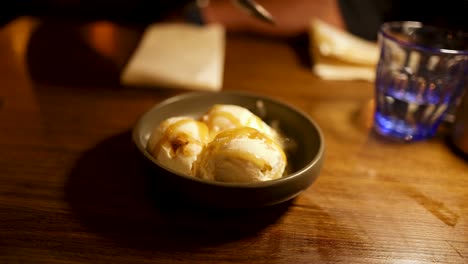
305,159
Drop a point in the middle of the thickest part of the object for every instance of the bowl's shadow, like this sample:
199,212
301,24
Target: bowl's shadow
109,192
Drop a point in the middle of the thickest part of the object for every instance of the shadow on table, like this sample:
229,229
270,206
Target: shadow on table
108,191
84,54
453,147
301,45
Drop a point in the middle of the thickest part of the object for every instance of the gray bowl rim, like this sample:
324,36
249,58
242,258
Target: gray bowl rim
270,183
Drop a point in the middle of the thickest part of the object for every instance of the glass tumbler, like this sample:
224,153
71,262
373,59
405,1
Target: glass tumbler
421,74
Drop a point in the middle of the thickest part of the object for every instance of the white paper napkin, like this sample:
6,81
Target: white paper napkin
339,55
178,55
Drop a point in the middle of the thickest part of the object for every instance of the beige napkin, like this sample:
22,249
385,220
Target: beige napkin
178,55
338,55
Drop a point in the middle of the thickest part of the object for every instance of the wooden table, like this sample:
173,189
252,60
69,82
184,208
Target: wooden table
72,189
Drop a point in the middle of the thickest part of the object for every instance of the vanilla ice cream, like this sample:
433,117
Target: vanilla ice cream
176,143
225,116
242,154
228,144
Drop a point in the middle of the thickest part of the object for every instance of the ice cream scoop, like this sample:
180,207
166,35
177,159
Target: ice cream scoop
225,116
241,154
177,141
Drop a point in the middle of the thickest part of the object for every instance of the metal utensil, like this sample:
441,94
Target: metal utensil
250,6
255,10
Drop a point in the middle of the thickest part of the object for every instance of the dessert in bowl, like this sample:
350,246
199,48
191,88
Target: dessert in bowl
229,149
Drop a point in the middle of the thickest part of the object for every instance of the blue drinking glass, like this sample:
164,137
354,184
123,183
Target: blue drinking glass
421,74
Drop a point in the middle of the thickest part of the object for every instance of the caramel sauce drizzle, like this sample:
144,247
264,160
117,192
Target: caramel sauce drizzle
230,134
179,141
215,112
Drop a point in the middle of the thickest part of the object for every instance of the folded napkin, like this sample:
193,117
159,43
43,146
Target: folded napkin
339,55
178,55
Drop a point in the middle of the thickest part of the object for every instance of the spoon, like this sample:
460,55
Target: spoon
255,10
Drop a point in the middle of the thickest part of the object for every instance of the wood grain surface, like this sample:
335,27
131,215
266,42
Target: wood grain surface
72,189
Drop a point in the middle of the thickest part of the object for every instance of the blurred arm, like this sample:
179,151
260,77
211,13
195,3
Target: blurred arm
292,17
119,10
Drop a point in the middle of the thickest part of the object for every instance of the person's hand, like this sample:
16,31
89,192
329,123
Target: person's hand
292,17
